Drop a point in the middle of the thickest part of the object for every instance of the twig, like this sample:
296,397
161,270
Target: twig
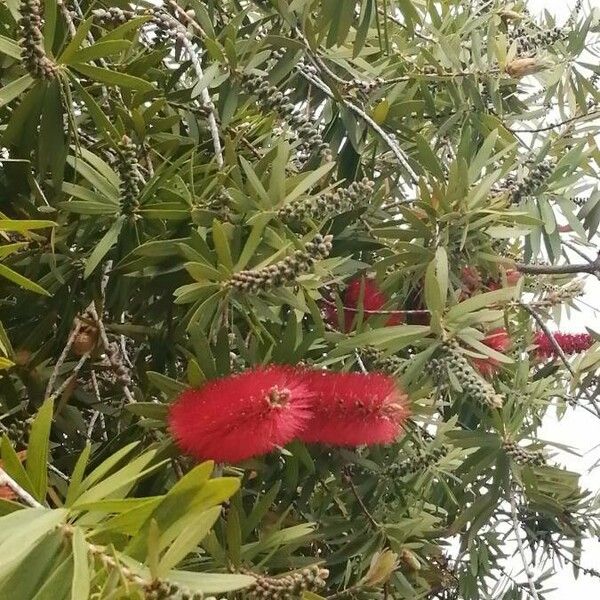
361,364
187,17
516,526
398,22
389,141
97,414
61,388
576,250
182,36
343,593
592,268
550,337
591,113
362,505
115,364
62,358
6,479
67,15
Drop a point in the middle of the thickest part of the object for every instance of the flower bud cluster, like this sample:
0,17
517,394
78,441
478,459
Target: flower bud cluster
335,202
283,272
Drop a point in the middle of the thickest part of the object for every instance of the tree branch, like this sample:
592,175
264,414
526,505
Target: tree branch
6,479
591,268
516,526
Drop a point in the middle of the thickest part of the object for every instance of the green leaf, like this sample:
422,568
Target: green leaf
253,241
102,122
203,272
150,410
76,42
80,586
196,527
482,301
119,33
433,296
427,158
15,88
165,384
10,48
104,245
114,78
308,180
77,475
222,245
108,465
22,281
380,112
24,225
20,532
397,334
38,450
277,539
120,482
99,50
366,15
153,556
233,532
210,583
12,465
50,12
195,376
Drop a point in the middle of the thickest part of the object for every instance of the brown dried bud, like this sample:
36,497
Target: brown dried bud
22,357
511,15
521,67
85,340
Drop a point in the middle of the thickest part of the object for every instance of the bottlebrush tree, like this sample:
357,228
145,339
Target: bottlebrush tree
279,282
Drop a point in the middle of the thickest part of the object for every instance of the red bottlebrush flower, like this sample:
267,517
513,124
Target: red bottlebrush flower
513,277
373,301
240,416
471,281
570,343
499,340
354,409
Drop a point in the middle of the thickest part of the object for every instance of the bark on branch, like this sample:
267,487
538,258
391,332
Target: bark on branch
591,268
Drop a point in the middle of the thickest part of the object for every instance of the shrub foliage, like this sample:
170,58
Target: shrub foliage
194,188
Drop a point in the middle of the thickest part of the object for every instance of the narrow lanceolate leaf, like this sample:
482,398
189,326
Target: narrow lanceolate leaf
196,527
15,88
38,450
9,47
76,41
23,225
210,583
104,245
113,77
100,50
80,586
22,281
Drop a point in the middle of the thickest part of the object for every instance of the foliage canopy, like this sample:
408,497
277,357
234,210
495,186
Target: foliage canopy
190,189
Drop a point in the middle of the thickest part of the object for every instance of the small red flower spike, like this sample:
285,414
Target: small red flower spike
355,409
471,281
499,340
570,343
241,416
373,301
513,277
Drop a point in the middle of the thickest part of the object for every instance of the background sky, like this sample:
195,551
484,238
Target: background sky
577,429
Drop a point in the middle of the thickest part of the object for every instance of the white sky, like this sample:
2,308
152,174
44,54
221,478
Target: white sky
577,429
